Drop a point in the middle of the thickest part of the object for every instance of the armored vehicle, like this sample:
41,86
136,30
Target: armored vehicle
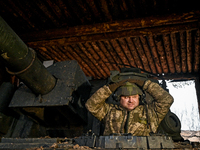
47,110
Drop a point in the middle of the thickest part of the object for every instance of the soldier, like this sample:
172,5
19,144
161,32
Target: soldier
131,115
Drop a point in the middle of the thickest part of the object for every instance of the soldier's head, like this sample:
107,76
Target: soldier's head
129,95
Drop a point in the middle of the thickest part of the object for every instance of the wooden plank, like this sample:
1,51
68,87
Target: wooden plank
168,51
134,53
176,54
197,52
21,13
83,55
155,54
141,53
90,53
148,54
127,52
161,53
62,53
47,12
114,54
180,76
94,9
120,53
102,58
183,52
62,39
81,61
43,52
52,53
56,10
110,60
174,22
104,7
58,51
71,56
189,50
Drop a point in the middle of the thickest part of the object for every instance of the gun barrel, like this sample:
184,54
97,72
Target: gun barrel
23,62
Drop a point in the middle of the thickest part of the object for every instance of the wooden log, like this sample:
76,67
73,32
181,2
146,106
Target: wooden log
148,54
94,58
189,50
52,53
159,45
84,55
104,7
110,58
85,69
183,52
180,76
80,60
108,35
197,52
59,52
103,58
141,53
47,12
20,13
134,53
62,52
114,54
155,54
65,11
176,54
168,51
43,51
138,26
127,52
56,10
94,9
120,53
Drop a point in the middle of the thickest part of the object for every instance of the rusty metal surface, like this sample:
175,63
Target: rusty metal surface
108,35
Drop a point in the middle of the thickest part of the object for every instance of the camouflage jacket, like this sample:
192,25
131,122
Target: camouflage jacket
118,120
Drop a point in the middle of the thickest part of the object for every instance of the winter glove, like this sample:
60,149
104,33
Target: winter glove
140,83
114,86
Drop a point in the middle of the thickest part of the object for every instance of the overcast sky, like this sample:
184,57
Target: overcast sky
185,105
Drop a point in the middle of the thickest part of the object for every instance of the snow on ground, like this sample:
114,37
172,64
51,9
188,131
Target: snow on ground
192,136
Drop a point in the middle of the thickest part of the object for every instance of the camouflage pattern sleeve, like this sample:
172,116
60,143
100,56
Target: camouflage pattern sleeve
161,104
96,103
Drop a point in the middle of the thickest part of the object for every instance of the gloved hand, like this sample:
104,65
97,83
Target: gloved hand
140,83
114,86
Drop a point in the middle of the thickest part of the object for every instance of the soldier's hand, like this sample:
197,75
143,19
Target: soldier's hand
136,81
114,86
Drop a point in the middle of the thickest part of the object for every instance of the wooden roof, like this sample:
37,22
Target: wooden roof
160,37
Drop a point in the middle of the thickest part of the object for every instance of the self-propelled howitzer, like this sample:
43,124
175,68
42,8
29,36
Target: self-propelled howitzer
50,102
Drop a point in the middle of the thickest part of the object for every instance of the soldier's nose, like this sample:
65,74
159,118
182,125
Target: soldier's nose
130,99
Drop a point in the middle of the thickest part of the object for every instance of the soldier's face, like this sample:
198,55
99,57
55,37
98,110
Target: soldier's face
129,102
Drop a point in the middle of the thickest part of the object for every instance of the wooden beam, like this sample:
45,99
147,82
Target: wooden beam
168,51
110,30
134,53
148,54
197,86
141,53
197,52
155,54
127,51
176,54
183,51
112,35
179,76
